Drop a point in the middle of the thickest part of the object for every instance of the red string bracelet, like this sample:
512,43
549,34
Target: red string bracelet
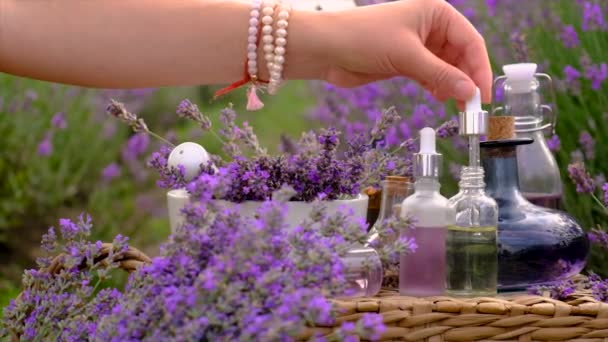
246,79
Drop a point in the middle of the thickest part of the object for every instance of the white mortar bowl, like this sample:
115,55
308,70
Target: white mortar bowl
296,211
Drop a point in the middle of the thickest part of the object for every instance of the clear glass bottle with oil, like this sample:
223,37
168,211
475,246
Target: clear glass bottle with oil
471,246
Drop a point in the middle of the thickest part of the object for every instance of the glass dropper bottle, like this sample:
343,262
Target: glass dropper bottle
471,247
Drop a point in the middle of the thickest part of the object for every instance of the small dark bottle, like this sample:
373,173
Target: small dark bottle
536,245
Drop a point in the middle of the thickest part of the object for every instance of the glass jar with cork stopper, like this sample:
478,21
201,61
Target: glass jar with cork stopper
529,99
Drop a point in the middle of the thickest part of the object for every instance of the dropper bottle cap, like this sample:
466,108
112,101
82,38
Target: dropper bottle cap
474,120
427,162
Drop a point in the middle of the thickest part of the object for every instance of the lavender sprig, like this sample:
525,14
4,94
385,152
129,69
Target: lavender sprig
581,178
138,125
187,109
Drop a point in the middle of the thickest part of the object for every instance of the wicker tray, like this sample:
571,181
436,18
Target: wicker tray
517,318
506,318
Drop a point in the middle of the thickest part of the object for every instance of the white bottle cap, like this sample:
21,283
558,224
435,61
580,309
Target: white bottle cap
519,76
427,141
474,120
427,161
474,104
191,156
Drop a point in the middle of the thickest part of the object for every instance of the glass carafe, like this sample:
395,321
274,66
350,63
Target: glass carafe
525,92
536,245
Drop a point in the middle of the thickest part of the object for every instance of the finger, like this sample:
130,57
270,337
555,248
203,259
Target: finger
439,77
463,36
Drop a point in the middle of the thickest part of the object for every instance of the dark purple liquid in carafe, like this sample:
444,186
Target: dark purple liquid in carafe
536,245
544,200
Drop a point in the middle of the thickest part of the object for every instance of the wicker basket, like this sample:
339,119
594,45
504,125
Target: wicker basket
129,262
518,318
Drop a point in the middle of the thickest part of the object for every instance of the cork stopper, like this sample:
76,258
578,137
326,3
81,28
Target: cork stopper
501,128
397,185
398,179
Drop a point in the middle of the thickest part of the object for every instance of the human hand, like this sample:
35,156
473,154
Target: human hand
424,40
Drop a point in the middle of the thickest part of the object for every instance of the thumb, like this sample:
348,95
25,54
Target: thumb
442,79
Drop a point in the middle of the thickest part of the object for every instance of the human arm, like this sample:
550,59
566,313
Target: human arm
134,43
124,44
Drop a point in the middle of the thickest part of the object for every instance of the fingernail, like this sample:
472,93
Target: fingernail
463,90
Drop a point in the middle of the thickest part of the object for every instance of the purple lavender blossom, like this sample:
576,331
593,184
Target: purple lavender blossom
136,146
169,178
598,237
118,110
597,74
554,143
58,121
110,172
581,178
559,291
599,290
605,189
491,4
448,129
187,109
593,18
66,298
588,144
372,326
569,36
45,147
571,73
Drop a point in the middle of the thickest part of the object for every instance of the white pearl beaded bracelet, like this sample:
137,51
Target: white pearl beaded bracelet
263,14
280,43
252,40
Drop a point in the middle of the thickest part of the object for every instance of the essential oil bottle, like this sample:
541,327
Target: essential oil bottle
472,253
423,272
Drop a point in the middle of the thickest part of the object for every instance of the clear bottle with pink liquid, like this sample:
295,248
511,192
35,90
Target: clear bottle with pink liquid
423,273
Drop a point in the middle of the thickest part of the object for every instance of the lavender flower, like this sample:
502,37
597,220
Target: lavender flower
448,129
372,326
599,289
187,109
569,36
45,147
67,297
110,172
588,144
598,237
554,143
491,4
169,178
571,73
559,291
119,111
605,189
385,121
136,146
58,121
597,74
581,178
593,17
